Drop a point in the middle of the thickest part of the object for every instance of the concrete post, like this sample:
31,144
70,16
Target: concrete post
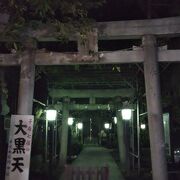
153,97
92,100
121,141
138,138
64,133
132,142
26,85
127,145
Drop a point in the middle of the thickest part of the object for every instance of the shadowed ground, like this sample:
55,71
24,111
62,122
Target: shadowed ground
95,156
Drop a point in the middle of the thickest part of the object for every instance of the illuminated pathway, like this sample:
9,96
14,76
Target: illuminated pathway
94,156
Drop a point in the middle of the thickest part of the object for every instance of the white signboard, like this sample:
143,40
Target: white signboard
19,148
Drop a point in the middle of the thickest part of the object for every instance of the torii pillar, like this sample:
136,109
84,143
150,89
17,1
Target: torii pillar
122,144
153,98
26,84
64,133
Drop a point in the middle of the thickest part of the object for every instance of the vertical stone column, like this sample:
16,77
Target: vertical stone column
26,85
121,141
92,100
127,144
132,143
64,132
138,137
153,97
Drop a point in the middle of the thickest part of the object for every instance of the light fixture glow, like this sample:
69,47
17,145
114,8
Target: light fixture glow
126,114
143,126
51,115
115,120
106,125
70,121
80,126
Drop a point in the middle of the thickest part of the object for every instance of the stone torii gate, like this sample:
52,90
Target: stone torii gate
149,55
65,107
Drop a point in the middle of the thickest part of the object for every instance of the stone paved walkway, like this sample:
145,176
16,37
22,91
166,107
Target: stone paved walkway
95,156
